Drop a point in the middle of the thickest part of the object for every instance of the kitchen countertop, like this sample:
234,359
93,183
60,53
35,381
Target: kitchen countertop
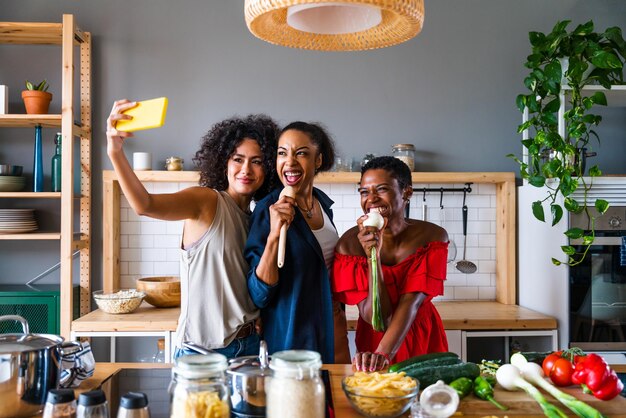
519,403
456,315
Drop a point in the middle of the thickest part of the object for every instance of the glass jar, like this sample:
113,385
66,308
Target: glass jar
295,389
92,405
60,403
174,164
406,153
198,387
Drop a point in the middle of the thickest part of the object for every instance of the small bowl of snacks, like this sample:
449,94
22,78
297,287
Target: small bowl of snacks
118,301
381,395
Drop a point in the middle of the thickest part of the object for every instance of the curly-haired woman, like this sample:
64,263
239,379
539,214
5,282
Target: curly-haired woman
236,161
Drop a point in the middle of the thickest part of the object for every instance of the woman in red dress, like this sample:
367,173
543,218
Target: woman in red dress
411,269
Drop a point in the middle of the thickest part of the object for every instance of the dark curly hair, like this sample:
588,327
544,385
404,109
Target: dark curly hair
221,142
398,169
320,138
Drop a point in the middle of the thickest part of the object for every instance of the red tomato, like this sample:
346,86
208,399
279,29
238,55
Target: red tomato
562,370
548,362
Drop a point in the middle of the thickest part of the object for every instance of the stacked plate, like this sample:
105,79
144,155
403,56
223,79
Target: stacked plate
15,221
12,183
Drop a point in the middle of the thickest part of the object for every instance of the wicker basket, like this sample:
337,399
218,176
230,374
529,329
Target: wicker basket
401,21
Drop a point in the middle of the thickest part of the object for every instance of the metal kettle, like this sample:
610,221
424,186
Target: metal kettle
246,381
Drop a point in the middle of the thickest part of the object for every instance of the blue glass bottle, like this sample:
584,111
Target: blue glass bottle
38,162
56,164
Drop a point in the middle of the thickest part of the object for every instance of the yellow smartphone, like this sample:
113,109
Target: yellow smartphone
147,114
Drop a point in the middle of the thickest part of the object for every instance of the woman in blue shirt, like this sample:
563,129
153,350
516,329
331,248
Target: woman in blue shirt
295,300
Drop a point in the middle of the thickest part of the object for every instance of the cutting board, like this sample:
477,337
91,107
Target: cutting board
521,404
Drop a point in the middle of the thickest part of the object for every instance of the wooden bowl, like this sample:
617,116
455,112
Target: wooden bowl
161,292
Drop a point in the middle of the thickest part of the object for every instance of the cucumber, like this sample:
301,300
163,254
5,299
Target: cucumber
430,375
418,359
426,364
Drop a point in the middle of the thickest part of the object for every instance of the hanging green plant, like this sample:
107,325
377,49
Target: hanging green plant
567,61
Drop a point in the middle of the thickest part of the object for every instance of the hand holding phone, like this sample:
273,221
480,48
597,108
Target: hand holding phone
147,114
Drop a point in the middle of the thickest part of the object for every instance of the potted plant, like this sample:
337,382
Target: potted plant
570,60
36,98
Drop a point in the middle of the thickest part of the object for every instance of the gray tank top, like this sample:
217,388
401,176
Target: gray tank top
215,300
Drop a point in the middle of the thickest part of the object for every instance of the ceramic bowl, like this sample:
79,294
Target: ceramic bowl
118,301
10,170
161,292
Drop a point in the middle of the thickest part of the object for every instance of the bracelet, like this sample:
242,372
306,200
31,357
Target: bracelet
385,355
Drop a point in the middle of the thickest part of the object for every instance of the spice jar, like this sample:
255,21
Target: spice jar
92,405
406,153
60,403
198,387
295,389
174,164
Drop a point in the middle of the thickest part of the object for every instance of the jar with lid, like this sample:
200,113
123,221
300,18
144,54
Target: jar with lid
133,405
295,389
174,164
60,403
198,387
92,405
405,153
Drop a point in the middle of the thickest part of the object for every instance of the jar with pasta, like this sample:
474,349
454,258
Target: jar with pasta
295,389
198,387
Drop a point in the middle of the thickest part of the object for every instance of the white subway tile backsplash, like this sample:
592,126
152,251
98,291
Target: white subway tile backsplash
130,254
152,247
154,227
153,254
141,241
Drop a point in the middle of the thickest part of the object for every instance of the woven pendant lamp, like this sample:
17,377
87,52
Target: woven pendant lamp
340,25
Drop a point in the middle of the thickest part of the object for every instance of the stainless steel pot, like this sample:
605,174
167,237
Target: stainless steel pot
246,381
30,366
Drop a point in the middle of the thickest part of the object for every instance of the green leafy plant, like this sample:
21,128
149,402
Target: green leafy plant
43,86
567,61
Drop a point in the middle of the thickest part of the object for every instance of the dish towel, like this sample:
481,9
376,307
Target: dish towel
622,253
76,366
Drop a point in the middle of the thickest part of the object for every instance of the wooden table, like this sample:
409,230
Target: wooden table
519,403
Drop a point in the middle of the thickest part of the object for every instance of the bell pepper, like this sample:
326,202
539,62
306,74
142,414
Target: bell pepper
463,386
596,377
484,391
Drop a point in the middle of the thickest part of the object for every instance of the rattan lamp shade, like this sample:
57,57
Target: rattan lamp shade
401,21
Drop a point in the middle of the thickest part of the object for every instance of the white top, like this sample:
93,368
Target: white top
215,300
327,237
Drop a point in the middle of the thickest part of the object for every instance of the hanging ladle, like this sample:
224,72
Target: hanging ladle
465,266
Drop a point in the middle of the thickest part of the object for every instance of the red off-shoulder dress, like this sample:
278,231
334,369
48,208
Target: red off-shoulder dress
423,271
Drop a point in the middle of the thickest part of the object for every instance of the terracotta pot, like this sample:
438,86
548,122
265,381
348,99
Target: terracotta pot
36,102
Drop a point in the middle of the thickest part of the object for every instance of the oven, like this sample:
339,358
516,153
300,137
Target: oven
597,294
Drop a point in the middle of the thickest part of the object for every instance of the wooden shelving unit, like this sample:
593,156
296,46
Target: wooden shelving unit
69,37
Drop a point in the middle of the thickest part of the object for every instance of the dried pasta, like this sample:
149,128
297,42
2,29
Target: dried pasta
376,391
200,405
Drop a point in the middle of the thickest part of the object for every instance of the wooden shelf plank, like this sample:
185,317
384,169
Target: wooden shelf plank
35,33
30,121
335,177
31,195
145,318
32,236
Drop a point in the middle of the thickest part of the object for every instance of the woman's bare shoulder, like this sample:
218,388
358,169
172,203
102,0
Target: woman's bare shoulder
428,231
349,243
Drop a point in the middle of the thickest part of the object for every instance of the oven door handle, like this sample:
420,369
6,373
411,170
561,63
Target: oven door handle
611,241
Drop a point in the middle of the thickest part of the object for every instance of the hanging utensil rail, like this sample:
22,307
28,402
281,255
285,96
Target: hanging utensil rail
442,190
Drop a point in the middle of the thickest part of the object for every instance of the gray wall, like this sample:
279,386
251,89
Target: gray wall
450,91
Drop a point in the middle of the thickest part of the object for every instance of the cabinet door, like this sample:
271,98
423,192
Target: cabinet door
41,312
455,341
